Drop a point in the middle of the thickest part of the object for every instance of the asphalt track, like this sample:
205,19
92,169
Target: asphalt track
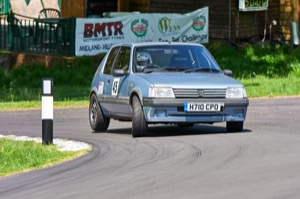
263,161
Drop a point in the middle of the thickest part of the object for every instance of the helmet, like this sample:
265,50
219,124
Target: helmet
143,59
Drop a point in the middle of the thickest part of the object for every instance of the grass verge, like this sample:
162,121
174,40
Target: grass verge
24,105
20,156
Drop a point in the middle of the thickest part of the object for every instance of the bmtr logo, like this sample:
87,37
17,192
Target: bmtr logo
104,29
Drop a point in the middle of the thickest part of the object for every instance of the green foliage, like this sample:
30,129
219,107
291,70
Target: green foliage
246,62
5,78
70,81
295,69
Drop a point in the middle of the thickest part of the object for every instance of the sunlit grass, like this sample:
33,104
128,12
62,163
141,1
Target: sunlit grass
23,105
20,156
272,87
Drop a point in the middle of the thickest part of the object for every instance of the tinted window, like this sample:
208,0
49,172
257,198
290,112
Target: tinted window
123,60
110,60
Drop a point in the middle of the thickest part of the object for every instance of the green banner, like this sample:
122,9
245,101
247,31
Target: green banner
253,5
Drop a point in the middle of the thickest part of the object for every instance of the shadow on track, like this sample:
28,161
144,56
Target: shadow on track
174,130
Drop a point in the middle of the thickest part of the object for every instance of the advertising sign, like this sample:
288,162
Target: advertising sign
94,36
253,5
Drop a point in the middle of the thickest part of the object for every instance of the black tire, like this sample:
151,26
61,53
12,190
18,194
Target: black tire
139,124
98,121
234,126
185,125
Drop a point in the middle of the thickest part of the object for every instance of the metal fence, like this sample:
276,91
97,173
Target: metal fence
50,36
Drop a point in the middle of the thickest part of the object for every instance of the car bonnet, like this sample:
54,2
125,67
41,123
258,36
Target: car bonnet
191,80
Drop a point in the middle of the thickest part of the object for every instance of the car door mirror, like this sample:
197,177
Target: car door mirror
120,72
228,73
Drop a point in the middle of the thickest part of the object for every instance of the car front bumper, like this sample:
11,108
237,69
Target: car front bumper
172,111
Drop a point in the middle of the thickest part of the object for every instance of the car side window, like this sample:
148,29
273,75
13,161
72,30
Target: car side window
110,60
123,60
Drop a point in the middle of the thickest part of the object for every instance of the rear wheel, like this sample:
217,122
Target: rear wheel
139,124
98,121
234,126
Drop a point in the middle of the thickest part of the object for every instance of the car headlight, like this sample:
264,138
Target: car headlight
160,92
236,93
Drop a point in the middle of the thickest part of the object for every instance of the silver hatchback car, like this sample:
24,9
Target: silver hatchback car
170,83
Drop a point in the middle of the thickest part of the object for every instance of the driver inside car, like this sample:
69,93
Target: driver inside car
143,60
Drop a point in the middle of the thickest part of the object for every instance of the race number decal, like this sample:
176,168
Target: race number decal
115,87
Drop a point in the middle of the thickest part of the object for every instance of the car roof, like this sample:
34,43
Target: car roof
141,44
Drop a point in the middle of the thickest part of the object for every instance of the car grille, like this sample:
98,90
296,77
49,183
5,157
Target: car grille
200,93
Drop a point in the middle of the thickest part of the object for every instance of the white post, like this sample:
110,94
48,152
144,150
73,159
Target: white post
47,111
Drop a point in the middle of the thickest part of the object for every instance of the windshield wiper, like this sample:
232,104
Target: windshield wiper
149,70
213,70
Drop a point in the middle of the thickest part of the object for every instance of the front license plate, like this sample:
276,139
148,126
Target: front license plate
197,107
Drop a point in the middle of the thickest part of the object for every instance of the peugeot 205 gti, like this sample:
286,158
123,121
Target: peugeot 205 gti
168,83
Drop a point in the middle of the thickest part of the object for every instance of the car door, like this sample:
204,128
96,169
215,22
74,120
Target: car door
104,87
116,86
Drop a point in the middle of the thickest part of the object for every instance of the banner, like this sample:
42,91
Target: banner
94,36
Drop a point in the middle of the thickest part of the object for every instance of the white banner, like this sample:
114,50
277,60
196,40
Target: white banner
94,36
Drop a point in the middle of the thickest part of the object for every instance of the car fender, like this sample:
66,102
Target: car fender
136,91
93,90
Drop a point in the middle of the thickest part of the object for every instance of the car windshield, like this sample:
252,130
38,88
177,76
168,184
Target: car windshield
174,58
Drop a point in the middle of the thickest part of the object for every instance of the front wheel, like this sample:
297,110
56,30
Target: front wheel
139,124
98,121
234,126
